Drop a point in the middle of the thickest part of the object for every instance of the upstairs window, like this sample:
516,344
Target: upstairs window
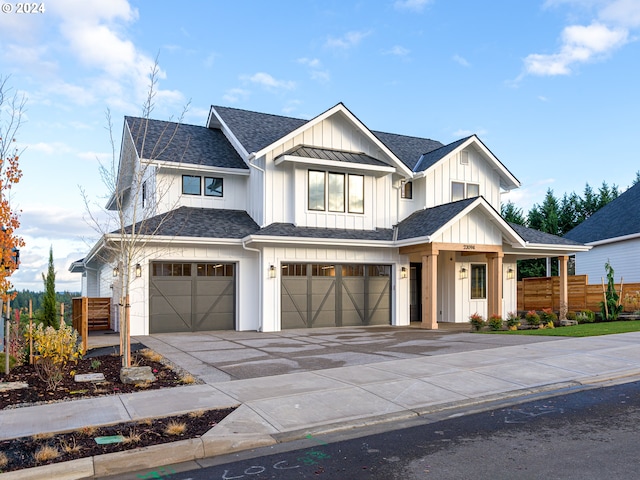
406,190
190,185
333,191
213,187
460,190
144,194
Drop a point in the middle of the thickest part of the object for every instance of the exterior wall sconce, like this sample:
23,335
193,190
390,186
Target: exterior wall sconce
403,272
463,273
510,273
272,271
116,271
138,270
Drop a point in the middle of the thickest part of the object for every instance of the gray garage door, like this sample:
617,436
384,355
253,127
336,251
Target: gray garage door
191,297
329,295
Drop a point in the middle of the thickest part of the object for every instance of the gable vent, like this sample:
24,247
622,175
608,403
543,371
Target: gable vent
464,158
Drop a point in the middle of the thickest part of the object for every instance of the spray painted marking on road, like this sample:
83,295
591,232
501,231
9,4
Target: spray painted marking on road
521,415
310,458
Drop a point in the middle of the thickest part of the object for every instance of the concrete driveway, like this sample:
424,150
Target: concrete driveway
220,356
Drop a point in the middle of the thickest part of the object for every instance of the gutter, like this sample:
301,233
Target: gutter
260,287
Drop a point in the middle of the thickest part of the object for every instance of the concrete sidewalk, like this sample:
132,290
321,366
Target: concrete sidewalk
329,379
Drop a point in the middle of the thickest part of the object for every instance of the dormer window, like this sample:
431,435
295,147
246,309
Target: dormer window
333,191
191,185
460,190
213,187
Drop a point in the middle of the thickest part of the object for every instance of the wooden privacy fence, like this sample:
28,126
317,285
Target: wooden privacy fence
90,313
544,292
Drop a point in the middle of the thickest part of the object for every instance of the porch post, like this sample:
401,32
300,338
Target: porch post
494,293
430,290
564,290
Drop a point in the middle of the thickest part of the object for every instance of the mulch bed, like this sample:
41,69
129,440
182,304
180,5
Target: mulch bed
21,453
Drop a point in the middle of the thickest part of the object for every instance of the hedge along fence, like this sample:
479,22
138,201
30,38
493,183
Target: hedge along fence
544,292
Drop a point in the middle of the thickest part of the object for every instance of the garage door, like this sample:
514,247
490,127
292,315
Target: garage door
329,295
191,297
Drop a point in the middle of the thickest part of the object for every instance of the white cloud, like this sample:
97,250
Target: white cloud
398,51
462,133
347,41
461,60
48,148
235,95
316,73
413,5
580,44
310,62
622,12
102,157
268,81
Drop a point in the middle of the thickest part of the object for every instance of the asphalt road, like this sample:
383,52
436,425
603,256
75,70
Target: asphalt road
591,434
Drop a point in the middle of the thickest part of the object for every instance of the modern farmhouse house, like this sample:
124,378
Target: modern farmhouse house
265,222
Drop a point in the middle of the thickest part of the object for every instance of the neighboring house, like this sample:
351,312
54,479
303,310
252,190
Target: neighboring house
269,222
613,232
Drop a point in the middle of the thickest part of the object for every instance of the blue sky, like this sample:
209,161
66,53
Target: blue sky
551,87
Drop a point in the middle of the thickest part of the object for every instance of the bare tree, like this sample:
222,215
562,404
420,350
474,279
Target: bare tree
138,205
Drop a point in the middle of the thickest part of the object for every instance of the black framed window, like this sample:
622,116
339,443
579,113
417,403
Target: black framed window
406,190
191,185
478,281
316,190
336,192
356,194
213,186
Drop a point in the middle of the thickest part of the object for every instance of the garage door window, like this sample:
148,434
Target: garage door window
215,270
171,270
294,270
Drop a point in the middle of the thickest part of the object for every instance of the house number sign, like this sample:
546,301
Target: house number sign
468,247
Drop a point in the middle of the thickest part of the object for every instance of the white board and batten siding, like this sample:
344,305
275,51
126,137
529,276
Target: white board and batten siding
437,181
624,257
473,228
286,185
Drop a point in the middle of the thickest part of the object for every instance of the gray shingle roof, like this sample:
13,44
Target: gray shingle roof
257,130
434,156
182,143
199,222
537,237
334,155
426,222
290,230
618,218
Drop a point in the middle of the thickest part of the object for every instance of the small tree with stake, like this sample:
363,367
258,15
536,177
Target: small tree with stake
612,306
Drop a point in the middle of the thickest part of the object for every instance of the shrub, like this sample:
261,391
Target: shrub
476,321
571,315
532,318
586,316
548,316
612,306
495,322
513,320
53,349
3,360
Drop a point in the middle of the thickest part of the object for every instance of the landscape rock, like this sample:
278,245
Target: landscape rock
568,323
133,375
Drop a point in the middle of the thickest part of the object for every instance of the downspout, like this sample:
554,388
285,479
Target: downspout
261,280
250,160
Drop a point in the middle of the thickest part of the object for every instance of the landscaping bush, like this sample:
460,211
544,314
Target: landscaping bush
495,322
548,317
532,318
513,320
571,315
52,350
476,321
3,359
586,316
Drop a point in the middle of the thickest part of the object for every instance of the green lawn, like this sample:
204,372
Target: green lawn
582,330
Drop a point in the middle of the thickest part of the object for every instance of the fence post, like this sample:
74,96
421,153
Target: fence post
84,323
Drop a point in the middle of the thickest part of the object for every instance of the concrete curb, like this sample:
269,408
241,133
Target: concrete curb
214,444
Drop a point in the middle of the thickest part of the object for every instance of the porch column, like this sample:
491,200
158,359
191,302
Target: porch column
494,287
430,290
564,290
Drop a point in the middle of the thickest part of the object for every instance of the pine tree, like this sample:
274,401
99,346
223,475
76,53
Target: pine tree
48,313
511,213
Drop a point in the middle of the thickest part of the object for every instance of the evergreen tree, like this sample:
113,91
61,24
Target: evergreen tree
589,203
569,215
549,212
48,313
511,213
637,179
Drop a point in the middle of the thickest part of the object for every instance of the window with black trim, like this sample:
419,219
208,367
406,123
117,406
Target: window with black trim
144,194
213,186
331,191
191,185
406,190
478,281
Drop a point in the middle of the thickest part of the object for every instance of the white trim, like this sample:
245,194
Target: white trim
622,238
327,242
196,168
335,164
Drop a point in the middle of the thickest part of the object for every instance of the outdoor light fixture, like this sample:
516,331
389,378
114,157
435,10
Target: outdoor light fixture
116,271
272,271
138,270
510,273
463,273
403,272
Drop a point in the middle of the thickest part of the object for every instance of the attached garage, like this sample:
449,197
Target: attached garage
330,295
192,297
